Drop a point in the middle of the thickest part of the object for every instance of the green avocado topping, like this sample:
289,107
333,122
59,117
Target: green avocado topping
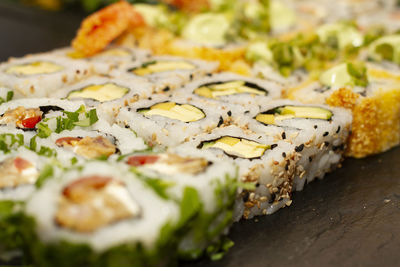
346,74
274,116
386,48
207,28
341,35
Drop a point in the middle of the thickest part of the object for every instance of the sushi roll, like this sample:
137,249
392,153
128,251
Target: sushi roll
100,214
38,75
168,73
215,183
98,141
371,92
233,89
20,171
27,114
266,164
163,121
319,133
107,60
108,95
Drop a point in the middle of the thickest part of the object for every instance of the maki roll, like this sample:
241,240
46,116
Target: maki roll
109,59
38,75
168,73
26,115
167,121
267,164
108,95
371,92
20,171
234,89
319,133
98,141
213,182
98,214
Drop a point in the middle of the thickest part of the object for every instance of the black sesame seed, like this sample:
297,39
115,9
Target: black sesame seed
257,184
299,148
326,143
221,121
273,146
129,109
338,129
315,126
247,112
191,77
150,98
166,89
209,74
229,113
127,126
287,166
325,134
283,135
272,199
309,159
284,154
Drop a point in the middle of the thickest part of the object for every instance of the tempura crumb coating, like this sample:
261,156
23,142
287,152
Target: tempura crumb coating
376,120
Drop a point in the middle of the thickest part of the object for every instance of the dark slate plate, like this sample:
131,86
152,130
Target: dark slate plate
350,218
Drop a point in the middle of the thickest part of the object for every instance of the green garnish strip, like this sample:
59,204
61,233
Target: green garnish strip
72,119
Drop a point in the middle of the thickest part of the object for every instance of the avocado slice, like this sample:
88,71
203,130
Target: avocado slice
34,68
289,112
101,92
152,67
215,90
237,147
307,112
172,110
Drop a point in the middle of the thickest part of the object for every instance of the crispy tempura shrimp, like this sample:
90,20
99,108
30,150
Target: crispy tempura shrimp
102,27
189,5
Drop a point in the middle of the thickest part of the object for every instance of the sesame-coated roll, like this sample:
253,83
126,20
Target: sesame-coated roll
268,165
319,133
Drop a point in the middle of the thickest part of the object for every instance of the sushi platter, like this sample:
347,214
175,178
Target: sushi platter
137,144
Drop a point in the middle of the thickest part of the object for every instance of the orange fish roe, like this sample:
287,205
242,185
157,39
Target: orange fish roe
102,27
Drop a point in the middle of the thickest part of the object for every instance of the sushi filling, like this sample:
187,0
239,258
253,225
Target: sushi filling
169,163
237,147
152,67
24,118
92,202
88,147
34,68
102,92
275,115
16,172
218,89
172,110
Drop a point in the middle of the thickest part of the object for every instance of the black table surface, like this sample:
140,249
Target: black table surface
350,218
